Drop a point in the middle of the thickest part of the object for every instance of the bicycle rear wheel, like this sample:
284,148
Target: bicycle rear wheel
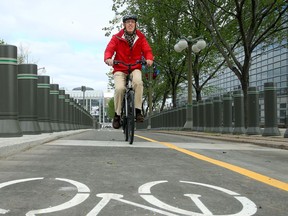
131,116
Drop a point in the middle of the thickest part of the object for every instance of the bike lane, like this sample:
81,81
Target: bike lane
109,177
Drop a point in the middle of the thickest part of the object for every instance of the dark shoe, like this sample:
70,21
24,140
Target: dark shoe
139,117
116,122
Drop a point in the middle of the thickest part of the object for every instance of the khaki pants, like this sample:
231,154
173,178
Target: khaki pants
137,84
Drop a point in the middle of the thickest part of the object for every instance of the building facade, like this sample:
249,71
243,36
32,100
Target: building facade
95,102
269,65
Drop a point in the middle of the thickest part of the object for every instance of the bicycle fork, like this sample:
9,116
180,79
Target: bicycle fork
128,89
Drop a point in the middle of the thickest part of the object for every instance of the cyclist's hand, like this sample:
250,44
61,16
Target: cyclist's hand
109,62
149,62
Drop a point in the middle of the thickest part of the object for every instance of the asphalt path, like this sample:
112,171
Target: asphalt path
98,173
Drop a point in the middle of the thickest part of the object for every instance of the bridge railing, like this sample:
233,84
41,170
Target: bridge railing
30,104
225,114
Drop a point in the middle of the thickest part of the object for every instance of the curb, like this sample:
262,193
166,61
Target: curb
13,145
272,142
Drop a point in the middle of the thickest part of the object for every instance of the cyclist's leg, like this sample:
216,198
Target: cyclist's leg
119,81
137,84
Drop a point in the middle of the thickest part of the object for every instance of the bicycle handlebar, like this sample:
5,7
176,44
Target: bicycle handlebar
115,62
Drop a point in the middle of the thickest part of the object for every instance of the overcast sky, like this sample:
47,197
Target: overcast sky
64,36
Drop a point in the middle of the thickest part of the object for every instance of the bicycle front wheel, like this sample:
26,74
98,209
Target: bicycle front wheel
131,116
124,120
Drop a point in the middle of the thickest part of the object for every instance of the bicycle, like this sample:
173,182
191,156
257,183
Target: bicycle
128,106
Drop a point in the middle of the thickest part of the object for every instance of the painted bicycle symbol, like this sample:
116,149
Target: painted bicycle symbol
83,192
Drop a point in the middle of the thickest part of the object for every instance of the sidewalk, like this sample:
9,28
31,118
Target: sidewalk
271,141
13,145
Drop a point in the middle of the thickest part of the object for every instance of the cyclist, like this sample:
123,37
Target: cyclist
128,45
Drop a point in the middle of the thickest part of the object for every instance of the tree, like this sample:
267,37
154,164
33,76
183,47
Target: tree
157,86
161,31
2,41
110,78
111,109
246,25
164,22
207,62
24,54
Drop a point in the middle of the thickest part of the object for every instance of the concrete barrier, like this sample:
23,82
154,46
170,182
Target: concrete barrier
9,124
27,98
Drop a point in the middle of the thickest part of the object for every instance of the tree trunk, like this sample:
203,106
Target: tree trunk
198,94
245,84
164,101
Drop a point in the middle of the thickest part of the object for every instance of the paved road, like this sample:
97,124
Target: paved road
97,173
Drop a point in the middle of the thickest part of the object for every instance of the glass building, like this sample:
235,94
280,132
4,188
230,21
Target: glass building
269,65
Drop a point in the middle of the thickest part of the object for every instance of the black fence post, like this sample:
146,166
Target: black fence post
286,131
183,117
217,123
270,110
61,110
27,98
9,123
239,126
67,112
76,110
43,104
195,116
201,116
72,114
54,94
227,114
253,114
209,115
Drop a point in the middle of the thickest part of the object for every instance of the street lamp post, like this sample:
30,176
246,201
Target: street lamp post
43,70
195,45
83,89
150,99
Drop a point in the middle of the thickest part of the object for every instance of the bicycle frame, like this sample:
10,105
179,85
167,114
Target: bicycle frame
128,108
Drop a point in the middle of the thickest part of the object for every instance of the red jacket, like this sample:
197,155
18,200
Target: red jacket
120,47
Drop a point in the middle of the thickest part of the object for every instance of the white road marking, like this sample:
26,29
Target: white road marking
106,197
82,188
2,185
198,145
249,207
18,181
81,196
156,202
199,203
3,211
77,199
89,143
229,192
146,188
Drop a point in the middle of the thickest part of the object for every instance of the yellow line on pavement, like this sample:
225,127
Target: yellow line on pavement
256,176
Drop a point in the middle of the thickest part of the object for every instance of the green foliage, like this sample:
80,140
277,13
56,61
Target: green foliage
111,109
110,79
161,31
24,55
239,27
2,41
230,27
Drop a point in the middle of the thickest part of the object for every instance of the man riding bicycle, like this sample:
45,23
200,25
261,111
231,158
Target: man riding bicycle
128,45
